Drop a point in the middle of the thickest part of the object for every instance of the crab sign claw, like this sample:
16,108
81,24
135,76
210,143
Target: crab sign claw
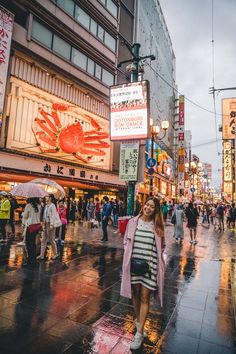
62,107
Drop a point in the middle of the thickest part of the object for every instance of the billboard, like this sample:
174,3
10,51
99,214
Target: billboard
228,118
129,110
129,154
43,124
6,28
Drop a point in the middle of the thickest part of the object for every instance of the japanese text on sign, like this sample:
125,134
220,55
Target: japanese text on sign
129,153
228,118
227,162
6,27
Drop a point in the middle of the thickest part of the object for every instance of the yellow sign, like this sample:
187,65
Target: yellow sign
228,187
227,153
228,118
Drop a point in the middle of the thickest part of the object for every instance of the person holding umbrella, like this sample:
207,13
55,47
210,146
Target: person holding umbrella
31,222
51,221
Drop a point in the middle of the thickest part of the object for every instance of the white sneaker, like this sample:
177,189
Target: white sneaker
137,341
195,242
191,241
137,324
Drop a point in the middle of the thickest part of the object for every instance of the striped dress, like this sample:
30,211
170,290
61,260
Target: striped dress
145,248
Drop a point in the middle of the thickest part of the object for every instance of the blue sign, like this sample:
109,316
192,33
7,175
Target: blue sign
151,171
151,162
192,189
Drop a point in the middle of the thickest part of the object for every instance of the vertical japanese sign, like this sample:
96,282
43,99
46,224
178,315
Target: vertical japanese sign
228,176
129,153
181,110
6,28
228,118
181,121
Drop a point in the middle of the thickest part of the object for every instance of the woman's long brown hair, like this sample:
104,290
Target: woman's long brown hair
157,215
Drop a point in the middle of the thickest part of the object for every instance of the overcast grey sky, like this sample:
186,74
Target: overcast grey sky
190,27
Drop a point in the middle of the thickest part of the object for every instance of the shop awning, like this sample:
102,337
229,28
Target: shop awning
21,178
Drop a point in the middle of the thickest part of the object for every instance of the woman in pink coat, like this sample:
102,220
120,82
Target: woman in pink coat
144,239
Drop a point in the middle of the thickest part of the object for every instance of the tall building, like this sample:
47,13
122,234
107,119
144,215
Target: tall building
152,33
63,59
56,116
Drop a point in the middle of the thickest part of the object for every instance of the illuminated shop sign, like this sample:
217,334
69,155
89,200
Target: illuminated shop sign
228,118
228,187
129,107
165,163
227,153
181,110
6,28
43,124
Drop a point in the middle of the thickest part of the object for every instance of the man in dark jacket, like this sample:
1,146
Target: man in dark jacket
106,213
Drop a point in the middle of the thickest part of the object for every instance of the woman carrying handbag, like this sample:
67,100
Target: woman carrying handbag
143,263
32,225
51,221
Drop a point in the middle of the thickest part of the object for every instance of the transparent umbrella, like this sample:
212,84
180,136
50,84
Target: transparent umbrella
50,186
28,190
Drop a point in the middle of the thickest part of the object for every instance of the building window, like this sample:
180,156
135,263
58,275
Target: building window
85,20
42,34
91,66
93,27
110,41
82,17
98,72
61,47
101,33
107,77
112,7
79,59
67,5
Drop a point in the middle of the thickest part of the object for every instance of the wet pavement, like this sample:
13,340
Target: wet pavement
72,305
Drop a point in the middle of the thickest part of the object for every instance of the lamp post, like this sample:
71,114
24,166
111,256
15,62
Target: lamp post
194,169
155,130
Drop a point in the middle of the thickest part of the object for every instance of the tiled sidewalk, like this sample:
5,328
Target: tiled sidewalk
73,305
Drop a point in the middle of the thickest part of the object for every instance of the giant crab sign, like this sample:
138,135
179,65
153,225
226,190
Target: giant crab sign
71,139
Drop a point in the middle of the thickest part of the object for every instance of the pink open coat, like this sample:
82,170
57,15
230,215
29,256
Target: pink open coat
128,248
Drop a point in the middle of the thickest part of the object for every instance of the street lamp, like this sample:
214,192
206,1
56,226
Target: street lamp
155,130
194,168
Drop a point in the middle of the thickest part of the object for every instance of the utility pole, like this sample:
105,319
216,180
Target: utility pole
134,78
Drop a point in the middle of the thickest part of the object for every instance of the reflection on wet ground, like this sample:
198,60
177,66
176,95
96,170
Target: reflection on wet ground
73,305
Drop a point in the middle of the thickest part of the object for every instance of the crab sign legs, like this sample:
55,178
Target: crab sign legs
70,139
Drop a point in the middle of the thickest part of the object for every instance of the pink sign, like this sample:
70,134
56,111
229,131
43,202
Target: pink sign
6,27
